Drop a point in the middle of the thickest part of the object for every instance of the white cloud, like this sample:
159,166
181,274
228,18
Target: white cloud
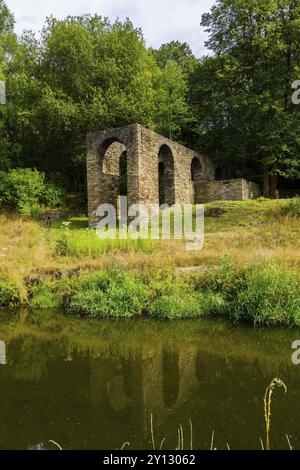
161,20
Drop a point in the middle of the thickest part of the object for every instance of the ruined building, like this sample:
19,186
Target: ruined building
152,169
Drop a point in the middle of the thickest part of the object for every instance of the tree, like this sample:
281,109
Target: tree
84,74
250,116
8,43
171,109
178,52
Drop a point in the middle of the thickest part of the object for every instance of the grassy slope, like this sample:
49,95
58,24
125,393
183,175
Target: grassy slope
249,233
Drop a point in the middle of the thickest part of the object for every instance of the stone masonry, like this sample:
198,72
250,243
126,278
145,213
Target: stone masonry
158,171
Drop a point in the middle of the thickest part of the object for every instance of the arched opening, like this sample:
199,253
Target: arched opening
114,180
161,172
219,174
196,173
123,174
195,169
166,176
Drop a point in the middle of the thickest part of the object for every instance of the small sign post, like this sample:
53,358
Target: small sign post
2,92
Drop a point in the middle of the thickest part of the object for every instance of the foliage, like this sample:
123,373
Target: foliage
24,189
269,297
86,73
171,109
110,294
53,196
291,208
178,52
242,94
8,294
264,295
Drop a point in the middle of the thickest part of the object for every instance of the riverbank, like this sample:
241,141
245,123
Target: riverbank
247,271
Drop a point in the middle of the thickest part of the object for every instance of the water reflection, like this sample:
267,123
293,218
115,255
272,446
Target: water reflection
95,384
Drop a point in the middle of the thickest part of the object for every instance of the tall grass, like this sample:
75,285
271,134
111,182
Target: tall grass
84,243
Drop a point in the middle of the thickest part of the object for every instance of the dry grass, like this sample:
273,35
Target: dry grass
27,248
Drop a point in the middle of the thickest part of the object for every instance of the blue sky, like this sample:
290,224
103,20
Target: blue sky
161,20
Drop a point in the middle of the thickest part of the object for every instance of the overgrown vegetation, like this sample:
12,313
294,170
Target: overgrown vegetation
25,191
8,294
248,270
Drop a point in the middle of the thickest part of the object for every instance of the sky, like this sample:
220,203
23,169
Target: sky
161,20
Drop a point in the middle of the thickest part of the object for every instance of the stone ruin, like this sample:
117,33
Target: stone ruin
150,169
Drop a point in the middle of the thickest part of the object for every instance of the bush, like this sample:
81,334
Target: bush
8,294
292,208
53,196
24,190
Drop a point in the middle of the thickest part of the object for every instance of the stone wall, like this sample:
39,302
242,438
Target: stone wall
227,190
150,145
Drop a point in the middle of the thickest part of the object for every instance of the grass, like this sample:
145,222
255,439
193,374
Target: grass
248,269
86,243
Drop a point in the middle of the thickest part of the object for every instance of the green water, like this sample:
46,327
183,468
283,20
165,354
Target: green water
94,384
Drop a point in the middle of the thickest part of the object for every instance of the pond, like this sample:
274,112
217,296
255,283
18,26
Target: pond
90,384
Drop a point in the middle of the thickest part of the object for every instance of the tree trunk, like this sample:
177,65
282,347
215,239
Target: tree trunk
266,184
273,186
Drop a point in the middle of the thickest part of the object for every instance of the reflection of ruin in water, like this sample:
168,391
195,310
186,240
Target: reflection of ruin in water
99,390
153,379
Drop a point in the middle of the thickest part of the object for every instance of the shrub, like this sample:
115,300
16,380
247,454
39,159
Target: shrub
8,294
24,190
53,196
292,208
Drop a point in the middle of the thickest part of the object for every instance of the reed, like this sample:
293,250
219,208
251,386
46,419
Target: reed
276,383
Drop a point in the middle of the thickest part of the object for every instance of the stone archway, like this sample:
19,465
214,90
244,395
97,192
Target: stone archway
196,175
166,184
196,169
113,163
